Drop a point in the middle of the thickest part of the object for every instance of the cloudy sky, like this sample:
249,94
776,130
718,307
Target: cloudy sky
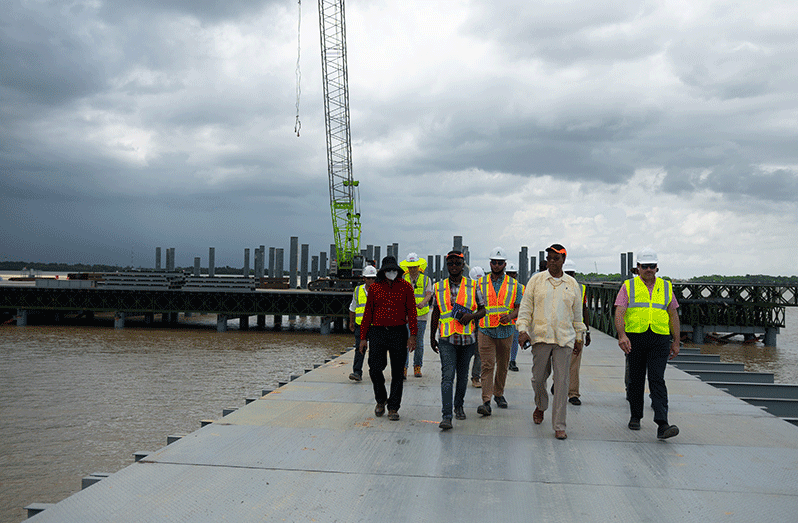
604,126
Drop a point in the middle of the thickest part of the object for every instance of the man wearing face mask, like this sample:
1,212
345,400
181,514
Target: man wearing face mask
390,312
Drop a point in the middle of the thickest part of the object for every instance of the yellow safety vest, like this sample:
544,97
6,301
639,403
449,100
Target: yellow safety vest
360,305
466,296
499,304
648,310
418,291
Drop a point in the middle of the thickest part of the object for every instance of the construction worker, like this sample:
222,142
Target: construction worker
456,305
422,288
512,272
356,309
649,330
475,273
569,268
495,337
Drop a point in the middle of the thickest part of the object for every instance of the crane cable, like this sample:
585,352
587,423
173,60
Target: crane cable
298,124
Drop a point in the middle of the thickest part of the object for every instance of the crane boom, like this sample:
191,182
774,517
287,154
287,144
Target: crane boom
344,195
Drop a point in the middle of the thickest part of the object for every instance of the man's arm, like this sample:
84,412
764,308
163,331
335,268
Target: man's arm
676,332
620,326
433,325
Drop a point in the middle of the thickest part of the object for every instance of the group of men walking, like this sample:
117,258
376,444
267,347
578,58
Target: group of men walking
490,316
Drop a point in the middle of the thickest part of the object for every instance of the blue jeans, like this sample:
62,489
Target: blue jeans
418,358
514,349
454,361
357,367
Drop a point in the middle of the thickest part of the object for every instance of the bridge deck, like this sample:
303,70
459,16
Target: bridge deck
313,451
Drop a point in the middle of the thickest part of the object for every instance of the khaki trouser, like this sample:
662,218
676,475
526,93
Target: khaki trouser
573,382
495,355
545,359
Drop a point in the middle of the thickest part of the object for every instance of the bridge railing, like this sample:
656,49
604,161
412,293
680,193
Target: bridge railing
716,304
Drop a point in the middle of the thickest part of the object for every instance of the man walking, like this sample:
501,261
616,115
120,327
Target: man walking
356,309
422,288
569,268
648,333
502,298
389,325
550,317
456,304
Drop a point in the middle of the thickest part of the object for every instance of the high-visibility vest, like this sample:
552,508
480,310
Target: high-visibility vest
499,304
418,291
466,296
648,310
360,305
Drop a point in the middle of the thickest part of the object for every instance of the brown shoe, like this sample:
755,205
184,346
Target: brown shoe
476,383
417,371
393,415
537,416
560,434
379,410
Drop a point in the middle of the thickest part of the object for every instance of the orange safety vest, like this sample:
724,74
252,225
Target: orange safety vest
499,304
466,297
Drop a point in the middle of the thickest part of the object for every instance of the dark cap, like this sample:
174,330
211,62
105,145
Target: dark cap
556,247
455,254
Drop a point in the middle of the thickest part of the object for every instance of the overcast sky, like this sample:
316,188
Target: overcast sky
605,126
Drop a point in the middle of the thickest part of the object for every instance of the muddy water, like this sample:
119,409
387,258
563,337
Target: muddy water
81,399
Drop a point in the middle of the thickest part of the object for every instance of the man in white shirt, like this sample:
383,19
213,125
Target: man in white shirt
550,318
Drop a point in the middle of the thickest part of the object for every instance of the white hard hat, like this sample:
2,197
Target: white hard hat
569,266
511,267
497,253
370,271
647,255
476,272
412,259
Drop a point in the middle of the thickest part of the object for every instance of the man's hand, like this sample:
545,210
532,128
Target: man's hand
577,347
434,344
362,347
352,326
411,343
674,349
624,343
587,338
467,318
523,337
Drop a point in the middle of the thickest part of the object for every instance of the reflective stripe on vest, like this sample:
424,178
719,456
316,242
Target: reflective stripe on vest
648,309
418,291
499,304
360,306
466,296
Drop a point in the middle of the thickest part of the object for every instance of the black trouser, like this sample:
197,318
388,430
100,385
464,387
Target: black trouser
649,355
384,341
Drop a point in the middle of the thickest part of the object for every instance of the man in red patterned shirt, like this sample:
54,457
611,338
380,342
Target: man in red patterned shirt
389,324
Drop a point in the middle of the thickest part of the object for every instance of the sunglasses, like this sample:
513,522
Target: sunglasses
454,263
497,262
648,265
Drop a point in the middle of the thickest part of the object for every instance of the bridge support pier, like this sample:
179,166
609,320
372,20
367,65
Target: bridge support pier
119,320
22,317
324,325
261,321
243,323
278,322
149,318
770,336
698,334
221,323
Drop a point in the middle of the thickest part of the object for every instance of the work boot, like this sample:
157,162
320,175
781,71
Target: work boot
459,413
513,367
484,409
666,431
476,383
445,424
355,377
379,410
417,371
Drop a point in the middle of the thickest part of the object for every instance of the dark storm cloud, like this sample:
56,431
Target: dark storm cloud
735,181
207,11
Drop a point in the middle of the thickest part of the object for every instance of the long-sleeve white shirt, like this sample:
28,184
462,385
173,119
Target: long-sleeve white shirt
551,310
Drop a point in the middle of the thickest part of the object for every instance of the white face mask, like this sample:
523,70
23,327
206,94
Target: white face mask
391,275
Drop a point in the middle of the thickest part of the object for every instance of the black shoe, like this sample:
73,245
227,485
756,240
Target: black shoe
459,413
634,423
393,415
484,409
552,389
574,401
355,377
666,431
500,401
445,424
379,410
513,367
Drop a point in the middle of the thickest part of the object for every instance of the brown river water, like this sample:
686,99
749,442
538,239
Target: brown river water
81,399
